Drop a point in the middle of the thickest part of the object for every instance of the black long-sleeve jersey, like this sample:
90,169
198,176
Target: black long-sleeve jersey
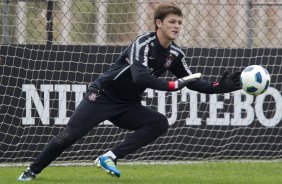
139,67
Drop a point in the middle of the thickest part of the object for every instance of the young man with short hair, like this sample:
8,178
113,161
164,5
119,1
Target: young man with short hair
116,94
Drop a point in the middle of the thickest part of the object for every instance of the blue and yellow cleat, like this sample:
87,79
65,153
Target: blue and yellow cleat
27,175
108,164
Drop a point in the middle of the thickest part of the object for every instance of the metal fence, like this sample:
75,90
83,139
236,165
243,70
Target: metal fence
207,23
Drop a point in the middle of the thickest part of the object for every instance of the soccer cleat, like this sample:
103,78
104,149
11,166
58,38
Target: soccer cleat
27,175
108,164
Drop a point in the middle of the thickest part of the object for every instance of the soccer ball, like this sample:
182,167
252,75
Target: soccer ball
255,80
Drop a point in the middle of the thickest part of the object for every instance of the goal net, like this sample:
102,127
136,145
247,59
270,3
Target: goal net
51,50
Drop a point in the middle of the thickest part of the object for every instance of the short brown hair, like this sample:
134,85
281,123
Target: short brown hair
165,9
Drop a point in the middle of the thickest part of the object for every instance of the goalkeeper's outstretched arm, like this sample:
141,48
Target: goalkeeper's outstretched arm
227,83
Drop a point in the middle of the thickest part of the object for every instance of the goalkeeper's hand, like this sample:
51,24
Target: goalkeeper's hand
182,82
227,83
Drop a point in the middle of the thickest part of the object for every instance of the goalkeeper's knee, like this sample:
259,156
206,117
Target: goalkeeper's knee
65,138
161,124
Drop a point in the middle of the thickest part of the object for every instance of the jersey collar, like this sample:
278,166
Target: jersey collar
160,46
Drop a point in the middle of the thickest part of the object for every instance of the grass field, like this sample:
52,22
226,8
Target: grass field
195,173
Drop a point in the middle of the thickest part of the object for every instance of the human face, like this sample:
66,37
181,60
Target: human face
169,28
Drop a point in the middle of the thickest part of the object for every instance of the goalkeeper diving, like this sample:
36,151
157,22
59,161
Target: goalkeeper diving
116,94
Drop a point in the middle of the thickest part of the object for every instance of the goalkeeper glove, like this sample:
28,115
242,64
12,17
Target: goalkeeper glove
227,83
182,82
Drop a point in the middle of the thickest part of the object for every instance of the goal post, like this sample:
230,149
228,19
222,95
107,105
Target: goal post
41,84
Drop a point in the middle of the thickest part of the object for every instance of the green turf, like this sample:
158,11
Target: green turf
198,173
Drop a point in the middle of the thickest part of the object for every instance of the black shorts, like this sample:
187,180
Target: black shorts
96,108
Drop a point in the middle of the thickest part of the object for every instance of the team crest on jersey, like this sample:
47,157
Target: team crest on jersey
92,97
169,59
